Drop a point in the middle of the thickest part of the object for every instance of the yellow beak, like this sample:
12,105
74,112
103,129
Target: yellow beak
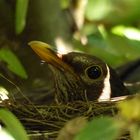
45,52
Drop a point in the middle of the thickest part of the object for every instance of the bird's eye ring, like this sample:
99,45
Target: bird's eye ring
94,72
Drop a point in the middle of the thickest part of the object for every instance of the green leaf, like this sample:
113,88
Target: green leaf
129,32
65,3
112,12
20,15
135,132
115,50
129,109
13,126
104,128
14,64
5,135
97,9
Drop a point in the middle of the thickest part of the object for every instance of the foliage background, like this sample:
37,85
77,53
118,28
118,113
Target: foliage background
108,29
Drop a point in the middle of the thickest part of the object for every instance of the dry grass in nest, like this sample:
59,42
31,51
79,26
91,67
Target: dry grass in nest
49,119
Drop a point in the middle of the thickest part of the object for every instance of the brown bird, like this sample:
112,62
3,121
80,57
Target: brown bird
80,76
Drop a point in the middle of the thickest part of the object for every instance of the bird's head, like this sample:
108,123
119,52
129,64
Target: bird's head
80,76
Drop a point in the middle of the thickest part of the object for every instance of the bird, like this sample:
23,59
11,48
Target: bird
80,76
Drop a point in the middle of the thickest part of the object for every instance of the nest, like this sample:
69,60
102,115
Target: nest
49,119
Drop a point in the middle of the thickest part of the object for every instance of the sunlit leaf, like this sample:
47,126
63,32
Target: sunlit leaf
5,135
13,126
14,64
20,15
3,94
65,3
97,9
130,109
104,128
135,132
129,32
112,12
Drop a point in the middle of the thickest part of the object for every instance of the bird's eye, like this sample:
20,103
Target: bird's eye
94,72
